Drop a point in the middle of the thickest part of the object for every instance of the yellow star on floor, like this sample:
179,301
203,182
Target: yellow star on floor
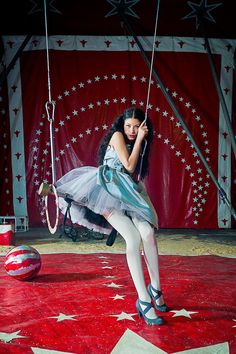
63,317
183,313
8,337
124,316
131,342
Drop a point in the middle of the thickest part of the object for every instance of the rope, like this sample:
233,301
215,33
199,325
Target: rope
50,109
149,87
152,59
47,51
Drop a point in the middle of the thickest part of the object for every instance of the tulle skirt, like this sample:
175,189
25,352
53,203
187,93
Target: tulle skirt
98,191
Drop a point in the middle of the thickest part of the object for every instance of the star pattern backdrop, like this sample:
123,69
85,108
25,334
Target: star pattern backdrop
93,80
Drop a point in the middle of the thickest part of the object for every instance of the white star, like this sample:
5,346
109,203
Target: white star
113,285
107,267
124,316
234,321
183,313
119,297
165,114
63,317
37,350
8,337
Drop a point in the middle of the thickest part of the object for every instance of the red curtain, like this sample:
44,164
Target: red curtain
92,87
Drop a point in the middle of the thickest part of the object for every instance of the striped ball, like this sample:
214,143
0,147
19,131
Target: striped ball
23,262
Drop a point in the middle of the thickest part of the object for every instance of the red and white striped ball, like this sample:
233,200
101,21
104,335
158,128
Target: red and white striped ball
23,262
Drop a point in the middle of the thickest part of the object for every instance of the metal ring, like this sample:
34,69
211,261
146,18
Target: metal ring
54,228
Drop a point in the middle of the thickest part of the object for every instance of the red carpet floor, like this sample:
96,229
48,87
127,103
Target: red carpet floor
86,304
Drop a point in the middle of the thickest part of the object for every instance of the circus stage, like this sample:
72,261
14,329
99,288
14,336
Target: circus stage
85,303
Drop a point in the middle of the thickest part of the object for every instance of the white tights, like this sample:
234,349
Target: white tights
134,231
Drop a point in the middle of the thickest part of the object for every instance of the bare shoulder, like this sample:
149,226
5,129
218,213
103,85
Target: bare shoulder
117,138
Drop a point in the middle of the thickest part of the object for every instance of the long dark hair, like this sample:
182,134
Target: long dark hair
118,125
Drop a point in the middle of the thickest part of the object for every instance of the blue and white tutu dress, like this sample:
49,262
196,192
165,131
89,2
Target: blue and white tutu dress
100,190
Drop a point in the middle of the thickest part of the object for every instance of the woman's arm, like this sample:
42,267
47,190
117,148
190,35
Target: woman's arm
118,142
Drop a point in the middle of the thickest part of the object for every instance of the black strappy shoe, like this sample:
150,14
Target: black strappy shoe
142,313
151,290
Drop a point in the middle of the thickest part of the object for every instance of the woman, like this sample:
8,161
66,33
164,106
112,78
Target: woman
110,196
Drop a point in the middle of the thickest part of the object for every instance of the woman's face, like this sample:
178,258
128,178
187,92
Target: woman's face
131,126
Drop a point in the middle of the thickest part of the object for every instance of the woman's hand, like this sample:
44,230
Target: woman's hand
142,131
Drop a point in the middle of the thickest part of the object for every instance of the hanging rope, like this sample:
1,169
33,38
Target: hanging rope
50,109
152,59
149,88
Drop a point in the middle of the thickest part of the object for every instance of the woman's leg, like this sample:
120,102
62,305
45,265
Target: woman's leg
150,253
126,228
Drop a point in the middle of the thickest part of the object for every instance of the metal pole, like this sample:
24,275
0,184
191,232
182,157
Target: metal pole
14,59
